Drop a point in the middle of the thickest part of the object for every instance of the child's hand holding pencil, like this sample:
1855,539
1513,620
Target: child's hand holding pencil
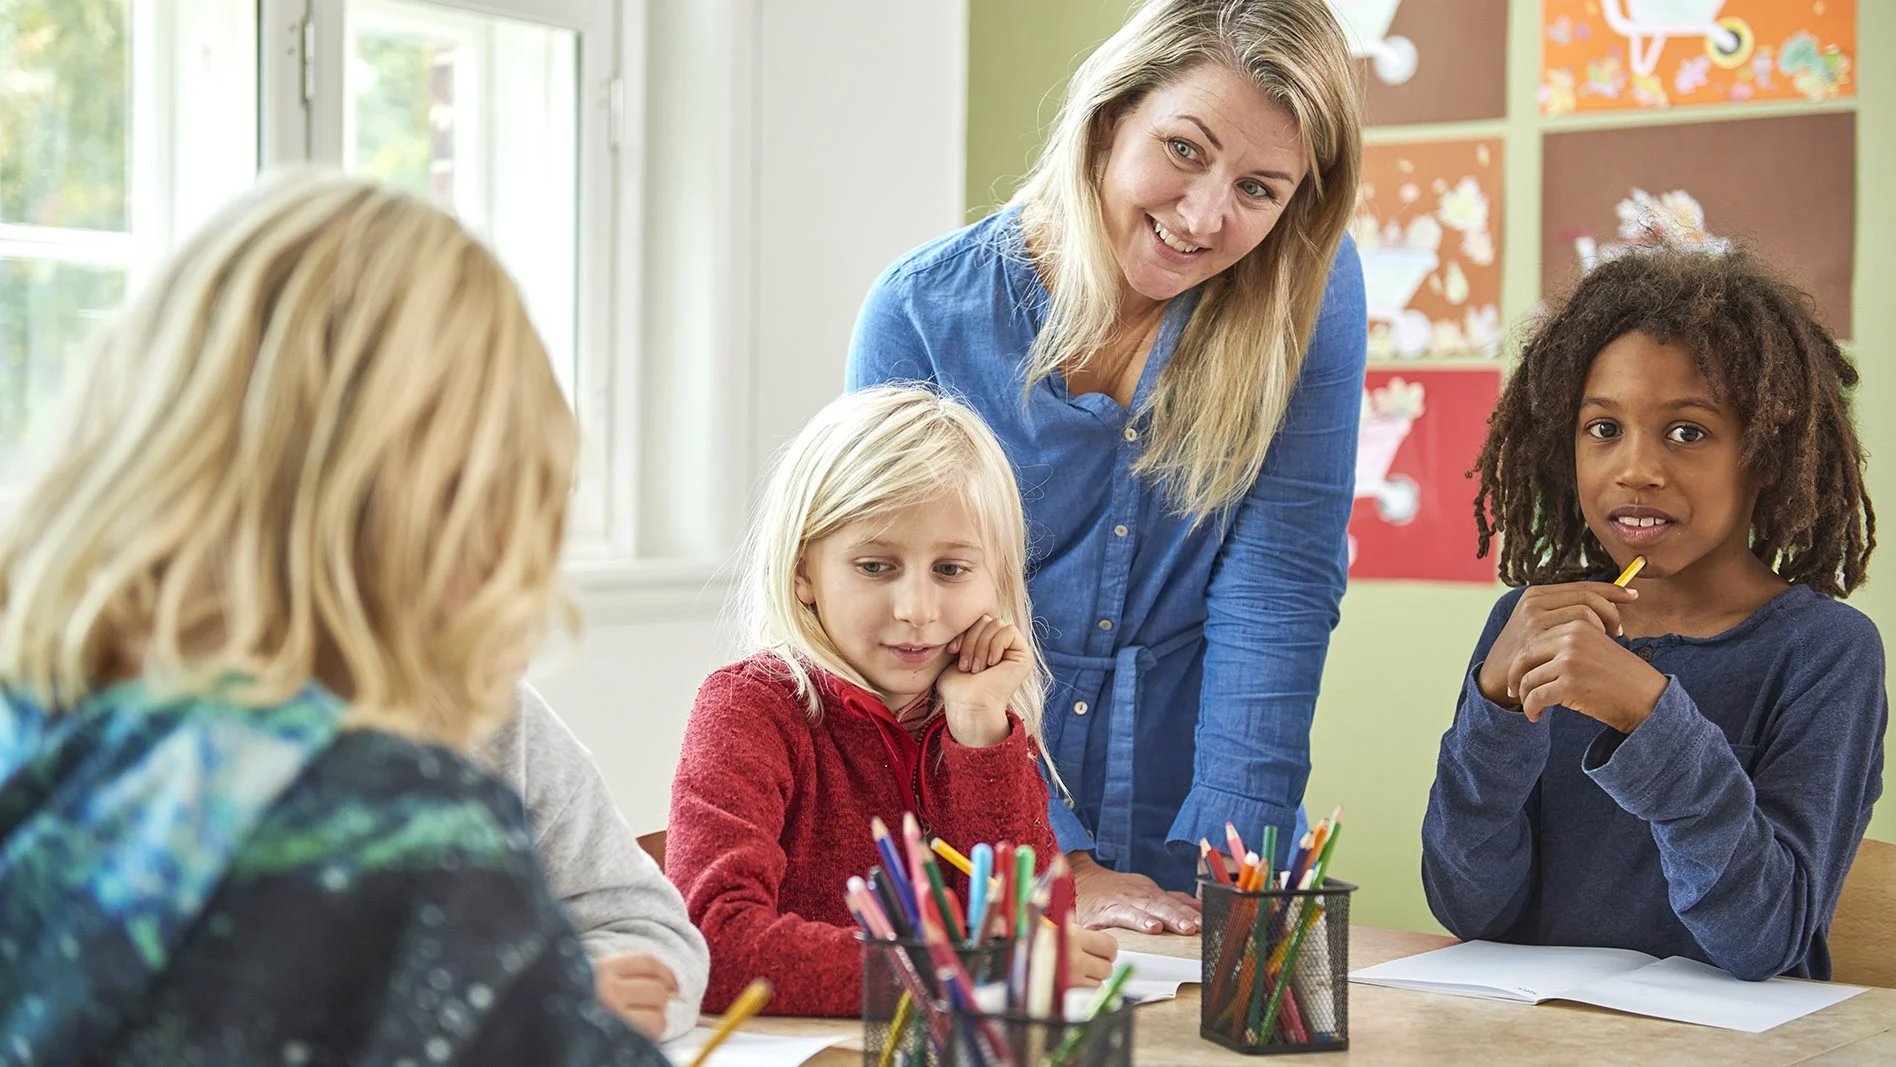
1558,648
637,987
1090,954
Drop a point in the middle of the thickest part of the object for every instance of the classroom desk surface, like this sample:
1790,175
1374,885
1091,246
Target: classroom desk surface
1402,1027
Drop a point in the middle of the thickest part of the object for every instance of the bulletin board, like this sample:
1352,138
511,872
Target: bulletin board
1709,123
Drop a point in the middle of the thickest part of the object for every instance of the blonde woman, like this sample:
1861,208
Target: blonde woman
1165,328
295,543
889,674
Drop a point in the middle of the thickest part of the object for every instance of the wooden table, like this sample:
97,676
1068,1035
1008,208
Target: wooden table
1404,1027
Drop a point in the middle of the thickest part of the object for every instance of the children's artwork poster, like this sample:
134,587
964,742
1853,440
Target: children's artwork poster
1428,60
1414,516
1428,229
1784,186
1610,55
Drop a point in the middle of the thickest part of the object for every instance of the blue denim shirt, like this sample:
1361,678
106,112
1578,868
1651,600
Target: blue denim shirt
1185,662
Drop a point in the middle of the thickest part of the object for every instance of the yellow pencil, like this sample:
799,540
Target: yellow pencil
747,1004
903,1009
1632,571
960,862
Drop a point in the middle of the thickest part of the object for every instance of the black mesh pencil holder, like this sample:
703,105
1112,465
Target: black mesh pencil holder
1276,966
989,1040
896,1029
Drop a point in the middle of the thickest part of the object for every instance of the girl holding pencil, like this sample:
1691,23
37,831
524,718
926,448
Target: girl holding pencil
1683,765
893,670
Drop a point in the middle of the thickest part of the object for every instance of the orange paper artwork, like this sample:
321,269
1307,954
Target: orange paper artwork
1428,228
1607,55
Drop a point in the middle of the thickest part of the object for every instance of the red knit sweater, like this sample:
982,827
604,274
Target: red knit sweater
770,816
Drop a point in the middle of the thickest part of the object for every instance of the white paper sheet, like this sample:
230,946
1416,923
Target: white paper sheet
1156,977
1675,988
1507,972
749,1050
1694,992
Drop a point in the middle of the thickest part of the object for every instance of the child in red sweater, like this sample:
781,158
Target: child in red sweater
893,671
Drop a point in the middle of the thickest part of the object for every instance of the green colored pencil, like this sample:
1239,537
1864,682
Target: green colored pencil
1076,1035
940,891
1296,942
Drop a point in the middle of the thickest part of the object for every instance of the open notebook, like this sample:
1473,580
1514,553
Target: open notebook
1674,988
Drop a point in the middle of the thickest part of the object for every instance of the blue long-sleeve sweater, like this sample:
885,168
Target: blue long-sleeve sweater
1721,829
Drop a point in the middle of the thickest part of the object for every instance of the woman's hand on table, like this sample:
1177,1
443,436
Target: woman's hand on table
1128,901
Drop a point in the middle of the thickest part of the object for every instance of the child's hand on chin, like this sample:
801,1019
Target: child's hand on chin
1556,651
990,665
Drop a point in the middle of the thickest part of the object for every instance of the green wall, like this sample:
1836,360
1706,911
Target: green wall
1397,659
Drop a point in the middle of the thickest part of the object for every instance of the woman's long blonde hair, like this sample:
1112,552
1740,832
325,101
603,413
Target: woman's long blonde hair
324,444
867,454
1221,398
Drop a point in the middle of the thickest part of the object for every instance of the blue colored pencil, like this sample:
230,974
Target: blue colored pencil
983,860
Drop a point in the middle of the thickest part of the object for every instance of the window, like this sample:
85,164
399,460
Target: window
480,114
106,151
125,123
504,112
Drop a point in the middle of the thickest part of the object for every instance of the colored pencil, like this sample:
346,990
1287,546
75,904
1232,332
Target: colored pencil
1296,942
1023,888
965,866
946,905
1214,862
1101,1004
1004,866
1061,899
1236,845
979,892
747,1004
897,870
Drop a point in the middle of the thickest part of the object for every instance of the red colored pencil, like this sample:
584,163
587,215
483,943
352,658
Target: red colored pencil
1060,910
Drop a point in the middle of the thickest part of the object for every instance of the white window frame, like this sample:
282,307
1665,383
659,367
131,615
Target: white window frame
146,218
188,57
302,108
184,54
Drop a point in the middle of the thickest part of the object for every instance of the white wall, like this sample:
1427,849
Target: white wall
792,149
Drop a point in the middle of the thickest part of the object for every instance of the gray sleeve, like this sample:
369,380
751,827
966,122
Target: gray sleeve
617,896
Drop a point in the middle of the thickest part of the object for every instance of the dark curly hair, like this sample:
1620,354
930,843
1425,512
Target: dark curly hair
1756,338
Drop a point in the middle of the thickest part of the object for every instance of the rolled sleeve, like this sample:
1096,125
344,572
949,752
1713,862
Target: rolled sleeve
1276,590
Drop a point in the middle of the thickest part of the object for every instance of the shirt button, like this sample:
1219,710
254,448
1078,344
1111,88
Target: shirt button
1131,434
1646,654
1120,530
1079,707
1105,624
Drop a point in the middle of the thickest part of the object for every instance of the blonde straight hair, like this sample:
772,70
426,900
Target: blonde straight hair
1222,396
323,444
865,455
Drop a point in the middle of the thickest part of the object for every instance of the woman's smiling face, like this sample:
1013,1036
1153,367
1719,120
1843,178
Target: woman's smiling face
1196,175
